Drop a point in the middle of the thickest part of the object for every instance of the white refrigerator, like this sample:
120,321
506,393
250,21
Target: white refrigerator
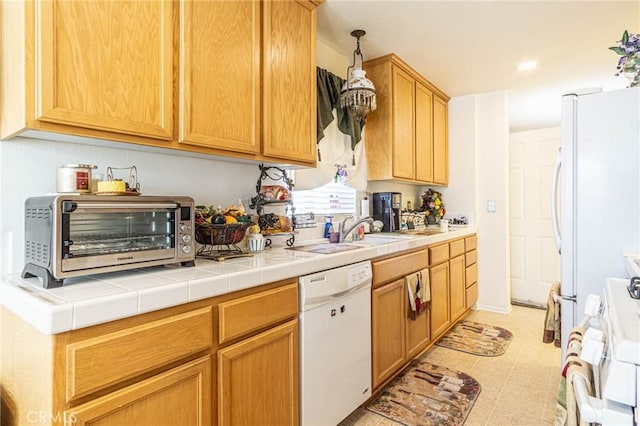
597,178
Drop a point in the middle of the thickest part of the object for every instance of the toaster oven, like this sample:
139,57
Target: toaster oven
75,235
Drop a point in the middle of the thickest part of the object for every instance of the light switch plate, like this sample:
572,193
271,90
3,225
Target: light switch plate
491,206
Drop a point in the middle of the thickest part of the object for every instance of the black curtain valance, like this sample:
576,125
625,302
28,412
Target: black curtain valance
329,86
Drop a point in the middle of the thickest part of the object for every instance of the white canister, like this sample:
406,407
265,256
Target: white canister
444,225
256,242
75,178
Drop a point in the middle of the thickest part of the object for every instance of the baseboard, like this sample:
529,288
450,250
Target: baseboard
490,308
528,304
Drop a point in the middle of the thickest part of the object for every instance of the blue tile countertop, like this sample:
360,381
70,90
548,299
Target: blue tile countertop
96,299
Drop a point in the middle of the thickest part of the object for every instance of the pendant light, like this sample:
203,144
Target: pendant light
358,95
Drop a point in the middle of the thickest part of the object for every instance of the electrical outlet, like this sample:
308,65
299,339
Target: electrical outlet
491,206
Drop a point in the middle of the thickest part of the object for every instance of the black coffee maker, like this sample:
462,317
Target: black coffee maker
386,208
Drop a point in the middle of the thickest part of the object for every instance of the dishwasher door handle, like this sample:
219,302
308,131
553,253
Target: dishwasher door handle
342,293
311,302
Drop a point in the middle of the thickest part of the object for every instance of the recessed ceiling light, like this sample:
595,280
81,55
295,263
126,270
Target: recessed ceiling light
527,66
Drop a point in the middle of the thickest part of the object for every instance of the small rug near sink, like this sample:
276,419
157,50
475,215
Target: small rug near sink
426,394
476,338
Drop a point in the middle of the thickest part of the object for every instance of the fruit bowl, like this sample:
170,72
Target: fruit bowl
209,234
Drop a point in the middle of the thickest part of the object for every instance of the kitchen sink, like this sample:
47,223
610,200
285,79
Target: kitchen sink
377,239
369,240
325,248
428,231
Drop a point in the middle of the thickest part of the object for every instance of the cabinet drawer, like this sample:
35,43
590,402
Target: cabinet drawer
471,243
180,396
102,361
438,254
471,258
396,267
472,295
471,274
247,314
456,248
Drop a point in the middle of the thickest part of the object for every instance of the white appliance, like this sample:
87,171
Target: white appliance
600,207
335,343
611,344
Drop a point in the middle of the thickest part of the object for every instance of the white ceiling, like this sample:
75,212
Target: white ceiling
472,47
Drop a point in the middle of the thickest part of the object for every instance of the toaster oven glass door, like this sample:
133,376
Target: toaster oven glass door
97,236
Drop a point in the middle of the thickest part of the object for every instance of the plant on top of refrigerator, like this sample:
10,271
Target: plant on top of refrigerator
629,63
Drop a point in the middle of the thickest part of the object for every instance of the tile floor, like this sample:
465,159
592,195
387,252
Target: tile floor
518,387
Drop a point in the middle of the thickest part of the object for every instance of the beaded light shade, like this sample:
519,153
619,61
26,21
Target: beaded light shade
358,94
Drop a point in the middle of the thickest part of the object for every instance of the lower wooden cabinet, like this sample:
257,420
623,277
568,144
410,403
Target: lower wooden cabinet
99,361
472,294
258,379
417,333
471,270
457,289
440,313
180,396
213,361
388,330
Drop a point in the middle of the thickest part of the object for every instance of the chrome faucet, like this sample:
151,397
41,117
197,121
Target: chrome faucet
342,232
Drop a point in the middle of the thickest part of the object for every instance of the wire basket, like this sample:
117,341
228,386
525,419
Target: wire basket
215,235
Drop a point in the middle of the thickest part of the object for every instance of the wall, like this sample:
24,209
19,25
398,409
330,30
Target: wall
492,173
28,168
460,195
337,63
478,172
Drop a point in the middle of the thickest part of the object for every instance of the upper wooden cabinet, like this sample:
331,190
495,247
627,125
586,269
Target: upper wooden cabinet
403,134
424,136
440,141
220,74
248,77
232,78
94,65
290,116
407,135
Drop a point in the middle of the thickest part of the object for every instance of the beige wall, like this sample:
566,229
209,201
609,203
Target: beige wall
492,174
478,172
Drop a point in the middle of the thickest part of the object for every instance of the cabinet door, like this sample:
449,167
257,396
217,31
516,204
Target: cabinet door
388,316
424,134
258,379
418,332
457,287
181,396
289,63
440,318
220,74
403,150
106,65
440,142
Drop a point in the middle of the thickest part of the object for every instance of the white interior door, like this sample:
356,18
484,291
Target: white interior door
535,262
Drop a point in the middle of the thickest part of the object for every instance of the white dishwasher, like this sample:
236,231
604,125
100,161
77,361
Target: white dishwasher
335,343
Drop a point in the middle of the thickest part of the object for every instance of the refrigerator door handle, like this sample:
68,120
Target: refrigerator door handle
554,201
573,298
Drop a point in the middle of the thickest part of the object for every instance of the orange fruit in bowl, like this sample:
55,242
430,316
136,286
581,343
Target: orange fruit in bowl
230,219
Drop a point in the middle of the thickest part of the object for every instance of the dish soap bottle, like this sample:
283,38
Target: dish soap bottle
328,226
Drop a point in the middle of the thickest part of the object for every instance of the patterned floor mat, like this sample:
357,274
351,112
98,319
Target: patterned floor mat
426,394
476,338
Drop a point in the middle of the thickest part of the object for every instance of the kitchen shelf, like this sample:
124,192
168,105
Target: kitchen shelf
258,202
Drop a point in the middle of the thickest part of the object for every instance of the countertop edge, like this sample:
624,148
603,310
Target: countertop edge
53,311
